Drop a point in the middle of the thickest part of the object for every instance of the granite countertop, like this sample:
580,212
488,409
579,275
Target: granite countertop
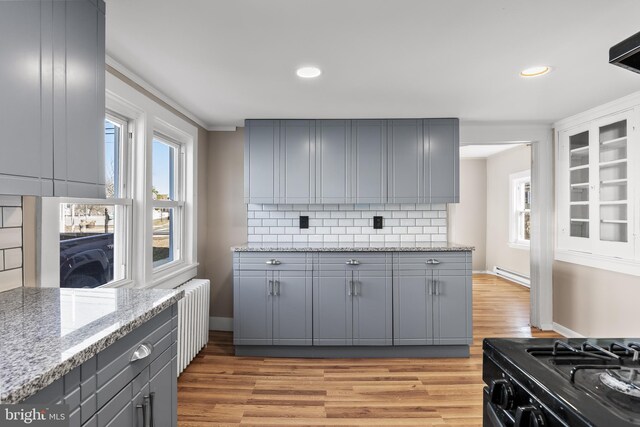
46,332
343,247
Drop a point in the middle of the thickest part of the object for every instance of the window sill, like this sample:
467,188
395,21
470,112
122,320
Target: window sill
174,277
521,246
618,265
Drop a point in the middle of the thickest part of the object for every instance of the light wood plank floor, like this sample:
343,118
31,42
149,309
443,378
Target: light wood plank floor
221,389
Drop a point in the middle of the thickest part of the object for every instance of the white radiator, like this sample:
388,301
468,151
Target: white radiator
521,279
193,321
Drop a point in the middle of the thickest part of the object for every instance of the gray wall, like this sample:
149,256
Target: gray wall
499,167
10,242
226,215
468,219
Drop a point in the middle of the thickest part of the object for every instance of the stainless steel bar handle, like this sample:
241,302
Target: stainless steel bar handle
355,288
353,262
273,262
436,286
350,290
152,396
433,261
270,288
430,287
141,409
146,419
143,351
276,285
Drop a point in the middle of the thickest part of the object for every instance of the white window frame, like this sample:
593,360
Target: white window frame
517,210
177,203
147,119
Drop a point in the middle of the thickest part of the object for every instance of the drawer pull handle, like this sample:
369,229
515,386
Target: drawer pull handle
353,262
273,262
144,350
433,261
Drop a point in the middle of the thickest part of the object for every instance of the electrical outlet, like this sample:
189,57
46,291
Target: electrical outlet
304,221
377,222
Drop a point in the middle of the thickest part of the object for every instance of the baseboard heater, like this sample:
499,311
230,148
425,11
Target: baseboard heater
193,321
521,279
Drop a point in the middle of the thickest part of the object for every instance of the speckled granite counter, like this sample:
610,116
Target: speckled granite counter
342,247
46,332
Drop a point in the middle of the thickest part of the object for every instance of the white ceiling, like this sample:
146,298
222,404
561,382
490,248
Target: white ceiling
229,60
483,151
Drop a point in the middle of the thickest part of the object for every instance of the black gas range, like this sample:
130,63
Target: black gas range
567,382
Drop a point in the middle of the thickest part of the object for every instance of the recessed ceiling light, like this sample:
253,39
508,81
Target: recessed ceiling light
535,71
308,72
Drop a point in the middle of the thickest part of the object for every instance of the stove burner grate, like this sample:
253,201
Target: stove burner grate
623,380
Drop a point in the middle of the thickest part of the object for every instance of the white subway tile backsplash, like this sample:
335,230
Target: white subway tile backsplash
13,258
10,238
10,242
12,217
348,224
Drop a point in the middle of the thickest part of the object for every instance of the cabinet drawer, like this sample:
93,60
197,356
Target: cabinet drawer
114,366
433,261
272,261
354,261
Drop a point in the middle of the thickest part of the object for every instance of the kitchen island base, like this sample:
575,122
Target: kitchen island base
349,352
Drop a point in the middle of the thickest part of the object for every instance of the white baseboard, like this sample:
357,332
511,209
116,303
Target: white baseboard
221,323
483,272
512,276
562,330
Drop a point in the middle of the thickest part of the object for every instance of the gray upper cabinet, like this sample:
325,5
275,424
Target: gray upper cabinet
297,161
369,161
406,161
52,110
442,161
333,161
262,161
352,161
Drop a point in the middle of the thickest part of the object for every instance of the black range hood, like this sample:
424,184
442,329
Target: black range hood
626,54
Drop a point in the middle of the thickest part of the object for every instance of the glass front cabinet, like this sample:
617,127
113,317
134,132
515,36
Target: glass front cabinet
597,171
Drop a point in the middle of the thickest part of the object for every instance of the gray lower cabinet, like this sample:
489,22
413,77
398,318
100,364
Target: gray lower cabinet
432,299
112,390
272,307
52,105
352,161
352,300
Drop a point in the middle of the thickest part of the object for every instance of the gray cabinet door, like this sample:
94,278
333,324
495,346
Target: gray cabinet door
412,307
442,161
333,161
297,161
252,308
164,387
452,308
405,161
372,308
332,308
369,161
292,308
25,87
78,103
261,161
